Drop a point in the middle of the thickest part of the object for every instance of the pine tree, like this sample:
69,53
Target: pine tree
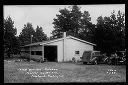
11,43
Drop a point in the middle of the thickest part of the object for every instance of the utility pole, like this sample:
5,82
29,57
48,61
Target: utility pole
30,47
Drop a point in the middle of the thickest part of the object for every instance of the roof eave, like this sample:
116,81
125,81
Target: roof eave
52,41
81,40
30,45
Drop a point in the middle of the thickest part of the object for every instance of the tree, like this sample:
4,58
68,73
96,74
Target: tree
10,41
75,23
39,35
25,35
16,45
87,29
62,23
110,32
121,30
67,21
76,16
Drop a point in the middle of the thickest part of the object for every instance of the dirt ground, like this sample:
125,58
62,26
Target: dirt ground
34,72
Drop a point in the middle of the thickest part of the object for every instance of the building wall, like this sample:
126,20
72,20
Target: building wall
59,45
74,45
59,49
68,51
33,48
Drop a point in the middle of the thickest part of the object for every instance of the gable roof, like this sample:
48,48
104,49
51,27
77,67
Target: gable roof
44,42
59,39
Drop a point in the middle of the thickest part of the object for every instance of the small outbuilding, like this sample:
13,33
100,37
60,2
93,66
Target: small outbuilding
58,50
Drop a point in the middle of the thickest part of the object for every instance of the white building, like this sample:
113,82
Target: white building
62,49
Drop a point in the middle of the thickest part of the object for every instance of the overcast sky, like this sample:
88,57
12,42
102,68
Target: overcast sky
43,15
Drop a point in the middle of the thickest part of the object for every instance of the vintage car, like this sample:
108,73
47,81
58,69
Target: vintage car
92,57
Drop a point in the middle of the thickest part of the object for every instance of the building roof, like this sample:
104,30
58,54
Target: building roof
44,42
59,39
81,40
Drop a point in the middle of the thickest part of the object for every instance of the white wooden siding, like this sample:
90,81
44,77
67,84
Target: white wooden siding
74,45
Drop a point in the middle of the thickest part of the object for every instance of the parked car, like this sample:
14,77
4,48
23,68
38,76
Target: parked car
92,57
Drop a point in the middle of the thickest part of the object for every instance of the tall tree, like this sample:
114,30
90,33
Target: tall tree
87,29
25,35
100,32
67,21
75,23
10,40
110,32
76,16
62,23
39,35
121,28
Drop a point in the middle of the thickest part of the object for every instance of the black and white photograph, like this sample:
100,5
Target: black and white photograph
64,43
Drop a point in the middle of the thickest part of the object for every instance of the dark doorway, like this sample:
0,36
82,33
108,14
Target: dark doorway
50,53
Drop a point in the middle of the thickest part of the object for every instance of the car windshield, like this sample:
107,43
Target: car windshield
96,53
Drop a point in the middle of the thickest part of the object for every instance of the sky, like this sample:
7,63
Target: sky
43,15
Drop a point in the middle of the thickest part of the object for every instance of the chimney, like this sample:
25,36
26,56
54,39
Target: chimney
64,34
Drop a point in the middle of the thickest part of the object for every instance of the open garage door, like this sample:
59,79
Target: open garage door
50,53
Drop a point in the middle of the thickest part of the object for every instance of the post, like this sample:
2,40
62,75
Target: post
30,47
43,52
30,54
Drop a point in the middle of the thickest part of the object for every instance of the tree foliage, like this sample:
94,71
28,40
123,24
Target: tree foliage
11,42
87,29
62,23
110,32
67,21
25,35
74,23
40,35
28,30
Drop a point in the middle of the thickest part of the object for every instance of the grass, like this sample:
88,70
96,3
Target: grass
62,72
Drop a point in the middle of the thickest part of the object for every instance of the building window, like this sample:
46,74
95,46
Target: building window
38,52
77,52
32,52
